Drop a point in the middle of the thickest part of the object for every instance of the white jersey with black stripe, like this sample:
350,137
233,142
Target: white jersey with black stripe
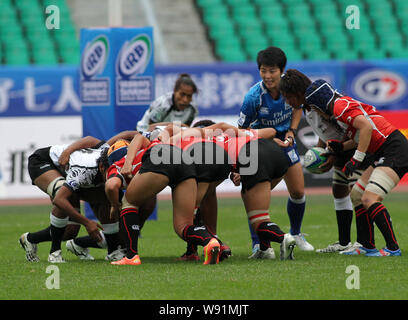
83,166
162,110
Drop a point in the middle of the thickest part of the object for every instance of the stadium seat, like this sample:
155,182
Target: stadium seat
209,3
391,42
215,15
311,29
16,53
399,53
247,11
374,54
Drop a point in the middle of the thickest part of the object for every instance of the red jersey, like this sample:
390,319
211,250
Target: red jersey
233,144
114,169
346,109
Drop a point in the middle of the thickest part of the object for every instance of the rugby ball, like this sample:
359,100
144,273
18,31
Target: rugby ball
313,159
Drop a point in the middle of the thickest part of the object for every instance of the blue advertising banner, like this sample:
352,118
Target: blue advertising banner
222,86
116,78
382,83
39,91
55,91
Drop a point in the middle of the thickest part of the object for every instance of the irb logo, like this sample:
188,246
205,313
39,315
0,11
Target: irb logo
379,86
95,56
134,56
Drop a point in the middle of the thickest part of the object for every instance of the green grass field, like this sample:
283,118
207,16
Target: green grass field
311,276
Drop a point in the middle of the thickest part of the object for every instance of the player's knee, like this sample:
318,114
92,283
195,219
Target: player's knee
54,186
71,231
379,185
126,204
356,193
256,217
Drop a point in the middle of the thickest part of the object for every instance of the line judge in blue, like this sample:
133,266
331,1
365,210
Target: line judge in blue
264,107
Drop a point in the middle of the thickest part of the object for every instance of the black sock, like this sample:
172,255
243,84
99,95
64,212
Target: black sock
365,228
112,241
191,248
379,214
40,236
56,237
197,235
86,242
344,220
269,231
130,222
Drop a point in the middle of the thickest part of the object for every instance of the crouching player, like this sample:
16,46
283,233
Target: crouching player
150,167
374,134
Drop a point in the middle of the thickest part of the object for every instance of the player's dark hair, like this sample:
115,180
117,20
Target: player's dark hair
294,83
103,159
271,57
185,78
203,123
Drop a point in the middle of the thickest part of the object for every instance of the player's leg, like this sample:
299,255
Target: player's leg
344,212
208,211
141,188
364,225
183,208
381,182
295,183
256,201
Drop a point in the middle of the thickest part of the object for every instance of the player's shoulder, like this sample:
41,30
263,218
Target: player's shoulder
254,94
256,90
164,101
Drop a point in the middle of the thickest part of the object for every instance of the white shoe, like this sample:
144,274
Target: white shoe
260,254
255,249
302,243
116,255
29,248
352,248
287,246
335,247
80,252
56,257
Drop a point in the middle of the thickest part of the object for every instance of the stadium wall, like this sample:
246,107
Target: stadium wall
40,106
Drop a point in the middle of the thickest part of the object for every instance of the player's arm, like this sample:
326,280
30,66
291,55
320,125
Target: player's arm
267,133
217,128
161,124
138,142
296,117
328,164
61,200
366,130
124,135
112,187
248,112
85,142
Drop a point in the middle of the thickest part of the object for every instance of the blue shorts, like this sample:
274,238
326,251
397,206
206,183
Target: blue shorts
291,153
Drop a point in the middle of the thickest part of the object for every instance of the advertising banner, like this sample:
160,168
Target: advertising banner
116,78
381,83
222,86
40,106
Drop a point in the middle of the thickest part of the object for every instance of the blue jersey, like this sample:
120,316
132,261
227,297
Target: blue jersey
260,110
